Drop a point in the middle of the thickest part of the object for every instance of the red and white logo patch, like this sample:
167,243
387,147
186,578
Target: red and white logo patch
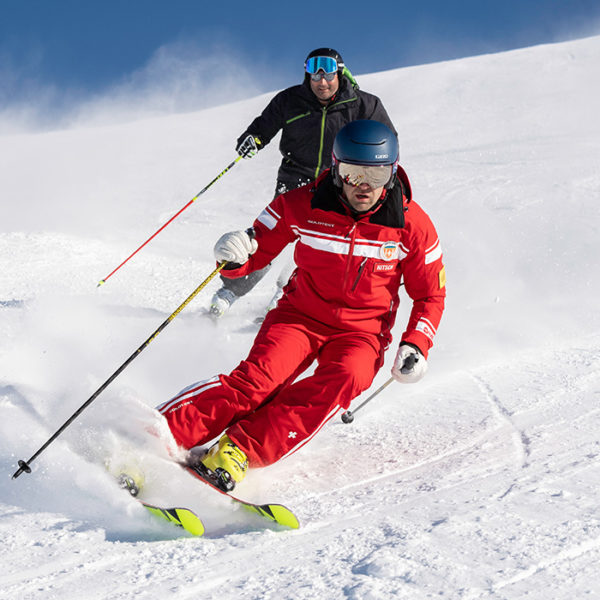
389,251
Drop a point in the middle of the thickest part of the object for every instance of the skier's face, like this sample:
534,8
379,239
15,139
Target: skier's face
361,197
324,90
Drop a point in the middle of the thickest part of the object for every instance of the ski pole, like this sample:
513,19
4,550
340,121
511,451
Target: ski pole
24,466
227,168
348,416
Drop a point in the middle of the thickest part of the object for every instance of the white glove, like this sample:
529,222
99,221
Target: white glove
249,147
235,247
410,365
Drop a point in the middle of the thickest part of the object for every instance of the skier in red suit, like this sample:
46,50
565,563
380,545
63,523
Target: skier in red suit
359,236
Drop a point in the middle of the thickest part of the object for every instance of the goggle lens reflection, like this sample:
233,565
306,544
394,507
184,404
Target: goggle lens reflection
355,175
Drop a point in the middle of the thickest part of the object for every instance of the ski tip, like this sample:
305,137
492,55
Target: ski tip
180,517
277,513
101,282
284,516
190,522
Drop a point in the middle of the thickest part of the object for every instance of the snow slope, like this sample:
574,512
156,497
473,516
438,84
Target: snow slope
479,482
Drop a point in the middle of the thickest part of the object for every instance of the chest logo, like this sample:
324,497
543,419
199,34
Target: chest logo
389,251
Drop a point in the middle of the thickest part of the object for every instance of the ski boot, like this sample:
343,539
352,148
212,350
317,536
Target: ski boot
127,482
226,463
128,473
221,302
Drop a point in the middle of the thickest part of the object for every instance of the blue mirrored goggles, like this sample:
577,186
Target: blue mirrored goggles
321,63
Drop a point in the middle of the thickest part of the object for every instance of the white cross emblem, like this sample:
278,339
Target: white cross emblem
292,434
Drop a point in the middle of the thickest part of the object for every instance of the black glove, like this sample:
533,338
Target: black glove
249,146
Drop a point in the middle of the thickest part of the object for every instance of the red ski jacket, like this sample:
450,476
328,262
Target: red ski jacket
349,266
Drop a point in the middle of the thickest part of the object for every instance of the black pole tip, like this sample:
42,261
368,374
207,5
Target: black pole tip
347,417
23,468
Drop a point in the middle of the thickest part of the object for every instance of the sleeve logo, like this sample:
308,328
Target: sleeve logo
442,278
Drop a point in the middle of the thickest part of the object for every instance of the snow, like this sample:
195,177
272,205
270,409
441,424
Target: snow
479,482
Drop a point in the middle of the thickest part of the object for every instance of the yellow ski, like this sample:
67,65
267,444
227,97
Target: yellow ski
277,513
181,517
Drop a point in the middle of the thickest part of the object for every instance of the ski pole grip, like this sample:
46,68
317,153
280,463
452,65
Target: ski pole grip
409,363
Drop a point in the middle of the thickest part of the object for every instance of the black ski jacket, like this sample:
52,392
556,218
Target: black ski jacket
309,128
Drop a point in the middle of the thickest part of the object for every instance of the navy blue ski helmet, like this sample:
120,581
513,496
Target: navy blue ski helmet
368,143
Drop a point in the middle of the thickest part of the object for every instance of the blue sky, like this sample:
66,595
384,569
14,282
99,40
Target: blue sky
58,54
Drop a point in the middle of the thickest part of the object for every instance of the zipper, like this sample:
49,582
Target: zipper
324,115
324,110
319,155
297,117
343,102
352,236
361,268
388,317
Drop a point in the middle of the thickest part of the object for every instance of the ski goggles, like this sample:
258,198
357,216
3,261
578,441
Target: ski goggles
320,75
321,66
374,176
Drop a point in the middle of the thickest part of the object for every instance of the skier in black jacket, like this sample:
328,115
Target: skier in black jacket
309,116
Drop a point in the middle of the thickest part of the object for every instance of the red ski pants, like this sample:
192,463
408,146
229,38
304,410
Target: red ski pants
260,404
